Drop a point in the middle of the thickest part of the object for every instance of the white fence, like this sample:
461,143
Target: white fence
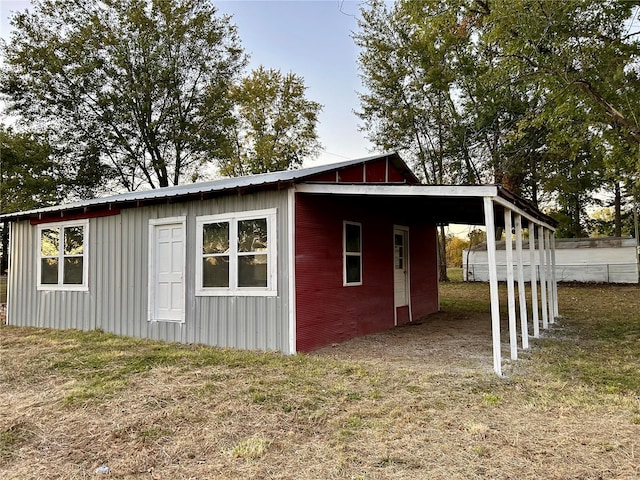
600,260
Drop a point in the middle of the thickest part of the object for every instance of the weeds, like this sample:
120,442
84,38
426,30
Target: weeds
490,399
251,448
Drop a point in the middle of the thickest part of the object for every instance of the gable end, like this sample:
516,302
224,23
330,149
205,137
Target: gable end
388,169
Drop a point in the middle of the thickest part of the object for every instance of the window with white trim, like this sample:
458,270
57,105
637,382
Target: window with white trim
352,253
62,252
237,254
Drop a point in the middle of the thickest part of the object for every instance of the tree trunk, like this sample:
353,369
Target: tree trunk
636,228
575,228
442,255
617,208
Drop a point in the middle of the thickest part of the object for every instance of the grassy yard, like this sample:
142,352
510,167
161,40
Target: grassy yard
569,409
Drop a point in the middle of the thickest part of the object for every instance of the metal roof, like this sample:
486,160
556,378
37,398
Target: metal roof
216,186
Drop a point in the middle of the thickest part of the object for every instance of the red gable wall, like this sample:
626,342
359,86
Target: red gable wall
328,312
376,171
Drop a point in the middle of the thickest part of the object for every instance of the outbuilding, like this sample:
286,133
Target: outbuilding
288,261
597,260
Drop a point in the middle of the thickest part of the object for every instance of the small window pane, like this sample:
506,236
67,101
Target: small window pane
399,251
252,271
353,268
352,238
49,271
215,271
399,257
49,242
72,271
73,241
215,238
252,235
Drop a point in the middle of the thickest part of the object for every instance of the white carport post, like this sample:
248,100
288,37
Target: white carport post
524,321
511,297
547,251
543,278
553,275
534,279
489,221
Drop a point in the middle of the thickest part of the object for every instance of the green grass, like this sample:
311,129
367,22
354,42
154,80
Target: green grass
454,274
598,344
251,448
71,401
101,365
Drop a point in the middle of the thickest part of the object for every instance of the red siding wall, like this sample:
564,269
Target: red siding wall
325,177
379,171
351,175
328,312
395,176
423,270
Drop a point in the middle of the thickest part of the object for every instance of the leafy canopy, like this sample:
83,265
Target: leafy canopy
140,84
536,95
275,124
29,175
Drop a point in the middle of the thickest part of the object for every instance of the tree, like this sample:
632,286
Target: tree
275,126
31,176
409,105
524,93
455,247
430,94
602,223
140,84
28,173
585,54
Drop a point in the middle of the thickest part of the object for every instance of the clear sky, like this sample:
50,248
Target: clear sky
310,38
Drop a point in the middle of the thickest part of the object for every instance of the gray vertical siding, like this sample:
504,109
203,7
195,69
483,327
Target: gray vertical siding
117,300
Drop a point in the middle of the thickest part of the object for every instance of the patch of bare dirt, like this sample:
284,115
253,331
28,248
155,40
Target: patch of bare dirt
443,342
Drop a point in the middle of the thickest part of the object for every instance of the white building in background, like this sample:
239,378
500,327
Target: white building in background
599,260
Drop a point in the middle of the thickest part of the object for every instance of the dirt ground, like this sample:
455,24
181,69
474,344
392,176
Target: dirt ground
444,342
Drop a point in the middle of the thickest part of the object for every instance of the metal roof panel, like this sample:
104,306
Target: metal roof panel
220,185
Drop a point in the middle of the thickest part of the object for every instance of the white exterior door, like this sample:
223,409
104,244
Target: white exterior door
401,266
167,262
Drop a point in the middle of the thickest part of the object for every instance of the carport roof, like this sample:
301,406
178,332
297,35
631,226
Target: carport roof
442,204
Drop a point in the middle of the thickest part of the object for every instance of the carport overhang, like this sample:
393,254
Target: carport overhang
490,206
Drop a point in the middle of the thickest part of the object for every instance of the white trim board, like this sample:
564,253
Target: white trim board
401,190
291,240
